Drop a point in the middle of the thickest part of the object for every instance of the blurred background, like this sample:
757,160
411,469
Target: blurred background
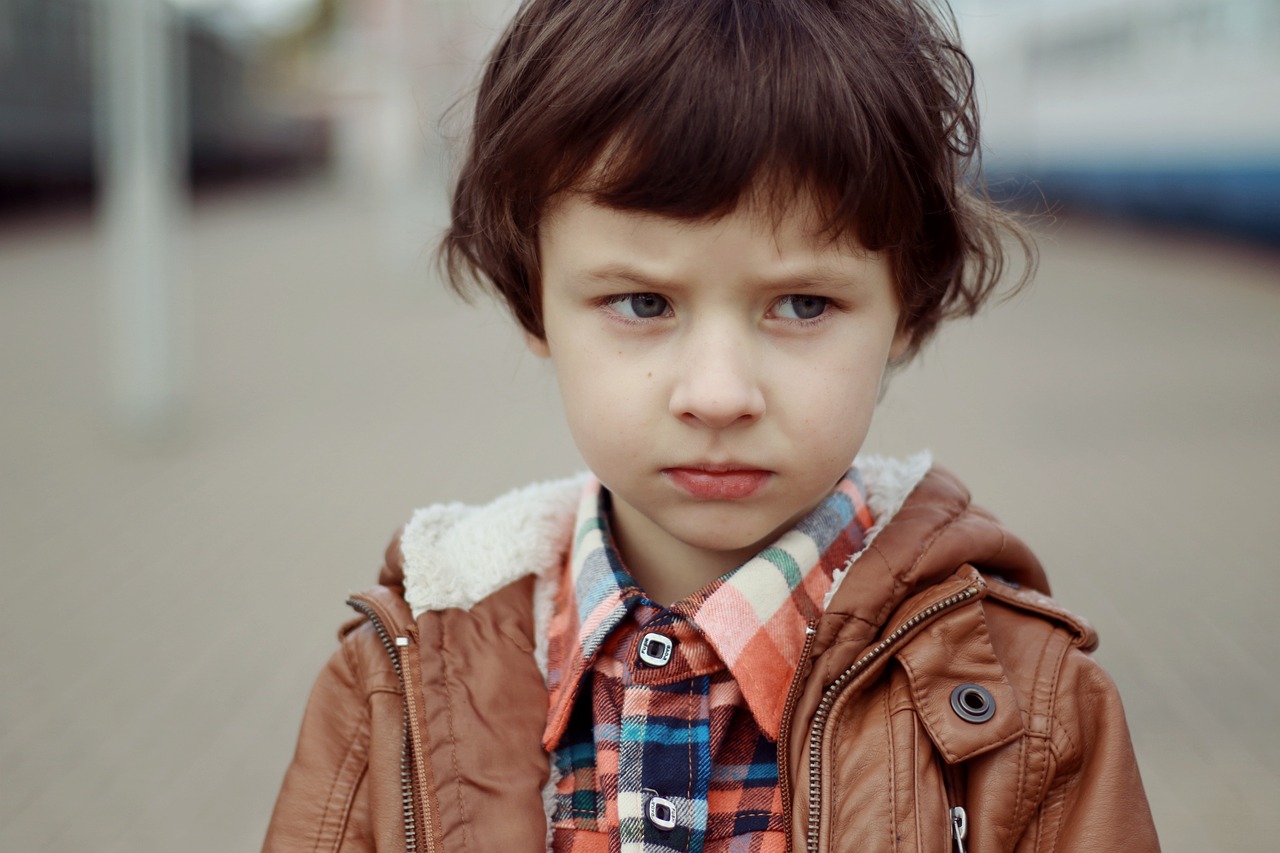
228,372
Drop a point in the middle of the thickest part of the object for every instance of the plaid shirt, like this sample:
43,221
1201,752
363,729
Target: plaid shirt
683,755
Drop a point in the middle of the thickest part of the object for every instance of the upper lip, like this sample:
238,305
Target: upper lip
718,467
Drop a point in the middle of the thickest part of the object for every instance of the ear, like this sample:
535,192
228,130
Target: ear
538,346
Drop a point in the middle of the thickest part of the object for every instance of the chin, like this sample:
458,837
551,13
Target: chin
726,537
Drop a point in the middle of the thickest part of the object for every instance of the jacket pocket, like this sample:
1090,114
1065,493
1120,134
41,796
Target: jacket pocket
885,781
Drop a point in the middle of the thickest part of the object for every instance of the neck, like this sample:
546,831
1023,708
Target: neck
667,568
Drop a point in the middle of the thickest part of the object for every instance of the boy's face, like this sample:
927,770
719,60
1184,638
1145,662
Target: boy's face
718,376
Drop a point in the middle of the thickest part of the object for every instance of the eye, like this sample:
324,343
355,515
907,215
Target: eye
799,307
640,306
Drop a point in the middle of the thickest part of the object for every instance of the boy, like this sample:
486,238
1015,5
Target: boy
721,220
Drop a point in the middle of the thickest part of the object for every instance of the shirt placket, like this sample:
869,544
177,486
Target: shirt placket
664,743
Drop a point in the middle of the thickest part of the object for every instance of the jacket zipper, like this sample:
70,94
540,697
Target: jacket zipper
411,755
959,827
784,731
833,691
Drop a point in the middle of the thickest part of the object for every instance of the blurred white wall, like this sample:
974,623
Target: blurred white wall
1126,81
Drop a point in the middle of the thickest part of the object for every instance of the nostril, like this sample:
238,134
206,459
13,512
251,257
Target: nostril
973,703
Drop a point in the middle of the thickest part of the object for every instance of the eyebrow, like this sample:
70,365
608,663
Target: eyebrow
816,278
613,273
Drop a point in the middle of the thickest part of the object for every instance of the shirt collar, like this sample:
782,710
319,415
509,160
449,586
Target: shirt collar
754,616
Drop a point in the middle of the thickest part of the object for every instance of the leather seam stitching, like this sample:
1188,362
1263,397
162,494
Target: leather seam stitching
1024,759
1049,703
331,797
1058,799
893,775
453,743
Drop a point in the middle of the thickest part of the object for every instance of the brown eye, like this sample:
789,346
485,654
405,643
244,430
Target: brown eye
797,307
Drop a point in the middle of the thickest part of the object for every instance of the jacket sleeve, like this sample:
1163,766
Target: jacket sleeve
1095,800
323,803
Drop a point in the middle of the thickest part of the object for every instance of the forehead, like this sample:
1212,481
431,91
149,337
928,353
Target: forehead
583,240
777,211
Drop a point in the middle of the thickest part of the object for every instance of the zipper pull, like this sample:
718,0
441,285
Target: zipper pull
959,827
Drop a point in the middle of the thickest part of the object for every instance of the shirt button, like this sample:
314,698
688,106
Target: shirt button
662,813
656,649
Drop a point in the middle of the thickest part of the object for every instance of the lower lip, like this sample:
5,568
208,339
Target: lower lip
717,485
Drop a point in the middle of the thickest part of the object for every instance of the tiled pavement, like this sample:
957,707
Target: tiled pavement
167,606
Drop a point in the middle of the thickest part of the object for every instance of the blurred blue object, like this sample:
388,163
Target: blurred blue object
1166,111
1241,199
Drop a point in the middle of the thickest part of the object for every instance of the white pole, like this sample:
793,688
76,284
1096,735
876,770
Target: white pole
139,82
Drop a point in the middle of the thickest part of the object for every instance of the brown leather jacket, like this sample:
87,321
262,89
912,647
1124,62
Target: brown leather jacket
423,734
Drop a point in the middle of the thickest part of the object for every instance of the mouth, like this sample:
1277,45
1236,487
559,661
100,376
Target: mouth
709,482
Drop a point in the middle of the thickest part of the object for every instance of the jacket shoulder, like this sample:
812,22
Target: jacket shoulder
323,802
1087,790
365,656
1066,778
1021,650
1041,646
1026,606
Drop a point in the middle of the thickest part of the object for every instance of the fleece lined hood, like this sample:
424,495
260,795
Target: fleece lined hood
456,555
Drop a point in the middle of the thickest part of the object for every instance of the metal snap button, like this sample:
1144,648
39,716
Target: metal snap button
662,813
656,649
973,703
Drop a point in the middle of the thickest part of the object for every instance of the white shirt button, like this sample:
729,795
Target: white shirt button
655,649
662,813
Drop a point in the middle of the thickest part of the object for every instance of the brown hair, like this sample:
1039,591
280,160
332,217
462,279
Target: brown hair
682,107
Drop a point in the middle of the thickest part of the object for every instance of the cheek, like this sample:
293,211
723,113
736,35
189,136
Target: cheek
830,411
823,386
590,388
836,437
602,407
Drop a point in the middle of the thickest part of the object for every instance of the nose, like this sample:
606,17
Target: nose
718,384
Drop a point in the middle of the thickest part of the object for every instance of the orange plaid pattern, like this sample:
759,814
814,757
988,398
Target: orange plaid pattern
682,755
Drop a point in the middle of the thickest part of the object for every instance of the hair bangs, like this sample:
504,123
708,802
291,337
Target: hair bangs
752,103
